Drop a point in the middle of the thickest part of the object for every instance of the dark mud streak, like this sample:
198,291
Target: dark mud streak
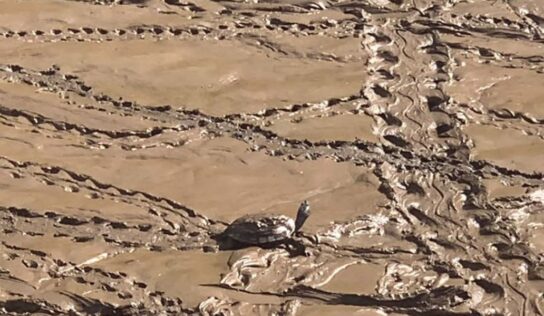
257,137
231,29
83,179
435,302
38,120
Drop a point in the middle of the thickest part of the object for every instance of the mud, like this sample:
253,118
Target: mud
133,132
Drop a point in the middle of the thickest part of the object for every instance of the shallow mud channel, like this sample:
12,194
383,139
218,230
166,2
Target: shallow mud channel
133,132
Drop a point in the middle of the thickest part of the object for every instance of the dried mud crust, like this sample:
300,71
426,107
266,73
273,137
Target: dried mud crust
110,203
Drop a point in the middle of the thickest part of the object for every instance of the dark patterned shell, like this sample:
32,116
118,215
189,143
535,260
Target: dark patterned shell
261,229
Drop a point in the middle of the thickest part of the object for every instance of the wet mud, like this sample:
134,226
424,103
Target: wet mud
133,132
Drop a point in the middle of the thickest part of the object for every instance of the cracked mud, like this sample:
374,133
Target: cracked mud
133,132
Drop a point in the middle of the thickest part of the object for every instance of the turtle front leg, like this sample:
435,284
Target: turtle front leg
296,248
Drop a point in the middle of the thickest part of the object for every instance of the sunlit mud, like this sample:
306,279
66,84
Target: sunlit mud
133,132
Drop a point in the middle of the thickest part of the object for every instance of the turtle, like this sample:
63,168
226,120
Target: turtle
262,229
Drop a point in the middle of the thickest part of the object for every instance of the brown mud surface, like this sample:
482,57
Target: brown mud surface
133,132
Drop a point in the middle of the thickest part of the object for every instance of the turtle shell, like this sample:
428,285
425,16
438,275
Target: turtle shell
261,229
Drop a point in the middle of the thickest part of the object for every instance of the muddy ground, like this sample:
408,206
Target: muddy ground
133,132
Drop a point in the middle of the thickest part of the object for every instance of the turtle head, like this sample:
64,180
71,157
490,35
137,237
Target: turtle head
302,215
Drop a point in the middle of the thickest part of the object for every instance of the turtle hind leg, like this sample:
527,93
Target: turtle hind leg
231,244
226,243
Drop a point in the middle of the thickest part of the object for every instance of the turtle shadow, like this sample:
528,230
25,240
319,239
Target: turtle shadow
292,246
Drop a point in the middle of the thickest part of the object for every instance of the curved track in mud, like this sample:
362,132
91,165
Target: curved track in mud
133,132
